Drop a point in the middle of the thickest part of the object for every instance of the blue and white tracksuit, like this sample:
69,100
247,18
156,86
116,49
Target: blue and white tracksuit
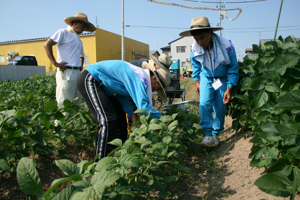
106,87
207,68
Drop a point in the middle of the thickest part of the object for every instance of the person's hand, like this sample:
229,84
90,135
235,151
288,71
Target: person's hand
61,66
197,86
134,117
227,96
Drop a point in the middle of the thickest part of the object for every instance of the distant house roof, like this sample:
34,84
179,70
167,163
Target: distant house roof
154,52
37,39
166,47
175,40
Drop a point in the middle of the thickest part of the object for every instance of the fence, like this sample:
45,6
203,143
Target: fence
18,72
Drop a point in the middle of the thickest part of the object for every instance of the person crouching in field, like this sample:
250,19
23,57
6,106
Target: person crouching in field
106,87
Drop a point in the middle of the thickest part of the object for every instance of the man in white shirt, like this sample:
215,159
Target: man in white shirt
70,56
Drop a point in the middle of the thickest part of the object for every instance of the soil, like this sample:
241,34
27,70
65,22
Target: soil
218,173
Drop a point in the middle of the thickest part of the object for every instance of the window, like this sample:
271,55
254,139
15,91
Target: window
86,60
180,49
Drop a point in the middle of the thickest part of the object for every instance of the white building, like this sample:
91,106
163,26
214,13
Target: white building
181,49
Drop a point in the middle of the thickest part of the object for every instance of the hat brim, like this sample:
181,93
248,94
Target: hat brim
156,61
161,92
89,26
162,95
146,65
188,32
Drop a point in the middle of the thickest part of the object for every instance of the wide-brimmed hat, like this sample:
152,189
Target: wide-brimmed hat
199,23
82,18
164,80
163,62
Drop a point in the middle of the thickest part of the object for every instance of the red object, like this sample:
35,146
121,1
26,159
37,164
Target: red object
182,76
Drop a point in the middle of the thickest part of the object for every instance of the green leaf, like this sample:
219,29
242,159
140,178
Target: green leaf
295,152
269,127
153,127
282,165
277,65
67,166
4,166
167,139
184,169
105,163
130,161
260,99
173,125
28,177
117,142
159,145
21,113
175,115
65,194
272,87
159,185
93,192
258,83
83,165
274,184
107,178
296,185
246,82
197,126
171,179
166,118
142,111
50,106
290,100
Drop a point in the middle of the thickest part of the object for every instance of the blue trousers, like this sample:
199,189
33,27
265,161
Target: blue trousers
212,109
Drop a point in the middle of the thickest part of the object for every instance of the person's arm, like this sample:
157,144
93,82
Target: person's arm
82,62
232,75
196,72
49,51
227,96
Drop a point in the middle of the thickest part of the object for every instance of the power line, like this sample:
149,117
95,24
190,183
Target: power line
260,28
226,2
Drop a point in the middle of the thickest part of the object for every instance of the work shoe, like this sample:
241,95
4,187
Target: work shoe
210,141
217,140
207,141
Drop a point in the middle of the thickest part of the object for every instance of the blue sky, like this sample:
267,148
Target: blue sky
151,23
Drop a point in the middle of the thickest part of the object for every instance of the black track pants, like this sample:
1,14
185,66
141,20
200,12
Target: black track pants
107,112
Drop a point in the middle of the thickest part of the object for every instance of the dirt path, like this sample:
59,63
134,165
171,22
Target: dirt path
223,172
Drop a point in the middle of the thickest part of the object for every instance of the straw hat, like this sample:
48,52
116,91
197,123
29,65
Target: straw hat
164,80
82,18
199,23
163,61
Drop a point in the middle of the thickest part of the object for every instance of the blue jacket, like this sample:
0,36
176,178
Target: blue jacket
119,79
230,70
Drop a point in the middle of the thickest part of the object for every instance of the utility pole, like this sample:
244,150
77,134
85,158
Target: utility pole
123,52
220,16
278,20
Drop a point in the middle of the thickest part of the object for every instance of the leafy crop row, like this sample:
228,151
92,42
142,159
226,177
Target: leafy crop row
27,113
266,103
148,160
